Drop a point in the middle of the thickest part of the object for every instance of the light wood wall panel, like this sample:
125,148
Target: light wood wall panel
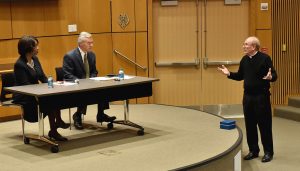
265,37
9,113
252,17
123,7
142,58
9,55
286,24
150,46
58,15
94,16
5,20
141,15
263,17
124,43
28,18
142,53
103,50
261,22
53,57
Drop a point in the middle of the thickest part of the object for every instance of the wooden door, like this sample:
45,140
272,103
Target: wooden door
183,33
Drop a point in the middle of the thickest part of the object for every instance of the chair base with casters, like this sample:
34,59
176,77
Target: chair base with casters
27,137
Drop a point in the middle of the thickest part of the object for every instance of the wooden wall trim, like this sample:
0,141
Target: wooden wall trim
286,24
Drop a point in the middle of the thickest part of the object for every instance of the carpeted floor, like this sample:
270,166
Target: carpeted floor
286,139
174,137
92,152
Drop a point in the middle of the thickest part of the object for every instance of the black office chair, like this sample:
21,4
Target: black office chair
8,80
60,77
59,74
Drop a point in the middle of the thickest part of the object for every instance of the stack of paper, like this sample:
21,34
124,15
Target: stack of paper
126,77
64,83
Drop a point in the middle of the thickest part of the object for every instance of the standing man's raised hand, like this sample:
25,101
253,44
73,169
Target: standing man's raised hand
268,76
224,70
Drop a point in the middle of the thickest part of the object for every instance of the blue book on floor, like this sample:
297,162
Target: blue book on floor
227,124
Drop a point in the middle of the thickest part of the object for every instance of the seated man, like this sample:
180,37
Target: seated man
81,63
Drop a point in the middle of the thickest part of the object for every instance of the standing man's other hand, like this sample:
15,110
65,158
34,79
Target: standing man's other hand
224,70
268,76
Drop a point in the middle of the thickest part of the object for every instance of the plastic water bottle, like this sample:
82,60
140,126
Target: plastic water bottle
50,82
121,74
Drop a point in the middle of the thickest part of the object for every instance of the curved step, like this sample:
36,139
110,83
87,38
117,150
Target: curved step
287,112
294,101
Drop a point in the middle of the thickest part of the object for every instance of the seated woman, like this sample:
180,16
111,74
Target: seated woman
28,70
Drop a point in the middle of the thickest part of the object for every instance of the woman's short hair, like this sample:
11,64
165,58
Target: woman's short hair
37,41
26,45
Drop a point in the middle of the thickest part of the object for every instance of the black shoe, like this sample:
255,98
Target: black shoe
56,136
250,156
105,118
62,124
267,157
77,121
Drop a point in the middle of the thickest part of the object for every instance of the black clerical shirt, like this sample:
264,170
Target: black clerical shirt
252,70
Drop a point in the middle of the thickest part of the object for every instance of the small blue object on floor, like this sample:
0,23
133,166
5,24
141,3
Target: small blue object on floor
227,124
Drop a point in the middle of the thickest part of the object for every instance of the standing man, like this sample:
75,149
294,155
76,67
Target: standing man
81,63
257,71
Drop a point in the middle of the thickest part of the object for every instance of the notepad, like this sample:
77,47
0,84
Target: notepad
126,77
102,78
64,83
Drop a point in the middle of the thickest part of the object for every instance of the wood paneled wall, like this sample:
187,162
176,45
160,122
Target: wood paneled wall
49,20
93,19
261,24
5,20
286,32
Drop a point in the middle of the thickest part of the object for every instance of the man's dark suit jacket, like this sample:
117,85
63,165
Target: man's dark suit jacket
73,66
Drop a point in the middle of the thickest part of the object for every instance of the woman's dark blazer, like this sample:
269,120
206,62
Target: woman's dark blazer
25,75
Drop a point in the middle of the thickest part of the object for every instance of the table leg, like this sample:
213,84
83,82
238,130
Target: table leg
126,119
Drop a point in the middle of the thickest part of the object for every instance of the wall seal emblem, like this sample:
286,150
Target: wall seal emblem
123,20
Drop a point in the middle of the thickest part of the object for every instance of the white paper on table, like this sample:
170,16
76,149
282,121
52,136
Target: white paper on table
64,83
126,77
103,78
